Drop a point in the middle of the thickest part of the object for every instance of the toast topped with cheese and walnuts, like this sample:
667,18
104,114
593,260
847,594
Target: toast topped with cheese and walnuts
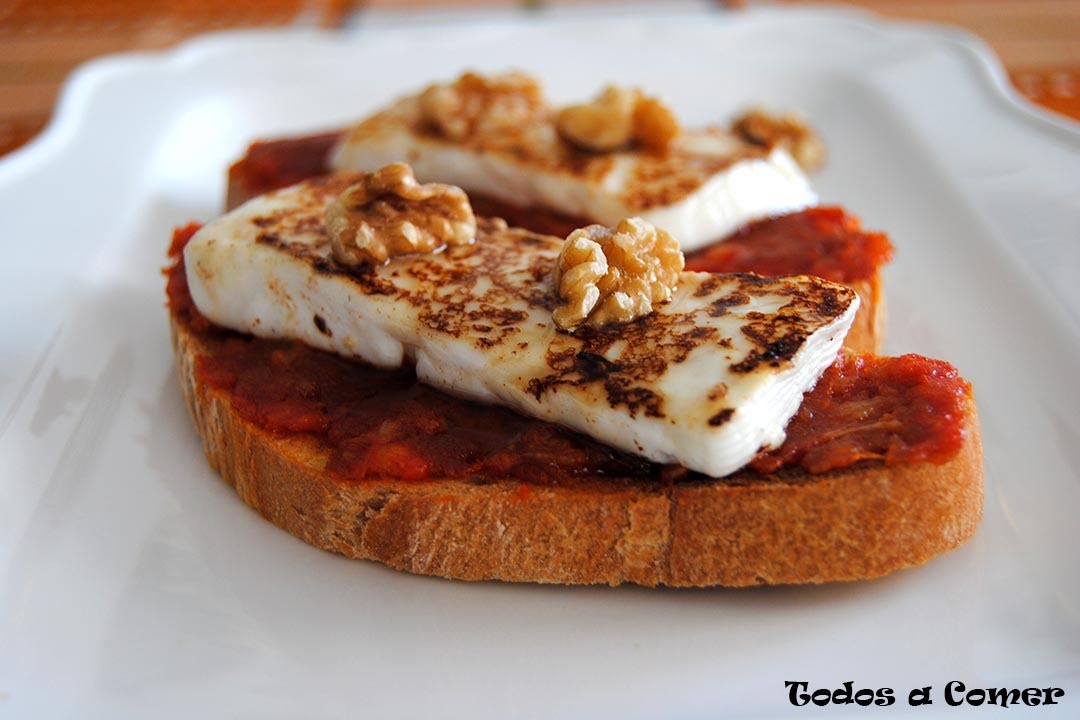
639,423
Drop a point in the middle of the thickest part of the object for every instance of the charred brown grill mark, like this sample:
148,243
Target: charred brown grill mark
709,285
783,335
542,299
646,348
364,277
541,268
753,279
595,367
721,417
562,360
684,344
774,354
636,399
264,221
537,387
779,337
368,281
830,304
503,317
718,391
719,307
454,319
320,325
582,368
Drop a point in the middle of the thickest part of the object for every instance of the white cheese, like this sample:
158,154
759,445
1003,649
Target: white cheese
707,186
706,381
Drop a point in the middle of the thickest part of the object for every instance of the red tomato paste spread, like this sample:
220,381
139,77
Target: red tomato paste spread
823,241
278,163
897,409
385,424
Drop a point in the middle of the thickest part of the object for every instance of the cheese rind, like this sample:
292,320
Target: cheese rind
706,186
705,381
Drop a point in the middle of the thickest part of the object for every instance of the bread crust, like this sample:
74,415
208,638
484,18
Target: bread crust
857,523
868,327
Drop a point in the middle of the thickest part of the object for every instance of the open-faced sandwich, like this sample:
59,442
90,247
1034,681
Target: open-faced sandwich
387,372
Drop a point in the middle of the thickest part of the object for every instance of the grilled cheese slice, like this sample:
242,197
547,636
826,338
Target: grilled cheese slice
707,185
706,381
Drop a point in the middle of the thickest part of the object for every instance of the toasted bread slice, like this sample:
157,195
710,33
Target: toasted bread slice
861,522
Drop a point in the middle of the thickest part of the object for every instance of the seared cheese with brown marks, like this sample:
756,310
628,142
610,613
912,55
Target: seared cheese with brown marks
706,381
708,184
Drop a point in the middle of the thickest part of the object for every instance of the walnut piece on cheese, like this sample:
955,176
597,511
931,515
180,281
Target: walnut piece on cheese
605,276
388,213
655,125
616,118
790,132
477,105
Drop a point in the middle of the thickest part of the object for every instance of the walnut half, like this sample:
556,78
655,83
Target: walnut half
606,275
388,213
616,118
790,132
476,106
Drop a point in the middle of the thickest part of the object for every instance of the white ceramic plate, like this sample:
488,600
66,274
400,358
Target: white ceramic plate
134,584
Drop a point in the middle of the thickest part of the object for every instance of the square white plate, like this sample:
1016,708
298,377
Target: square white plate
134,584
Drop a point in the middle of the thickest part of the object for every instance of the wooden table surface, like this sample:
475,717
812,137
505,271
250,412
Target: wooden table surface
41,41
